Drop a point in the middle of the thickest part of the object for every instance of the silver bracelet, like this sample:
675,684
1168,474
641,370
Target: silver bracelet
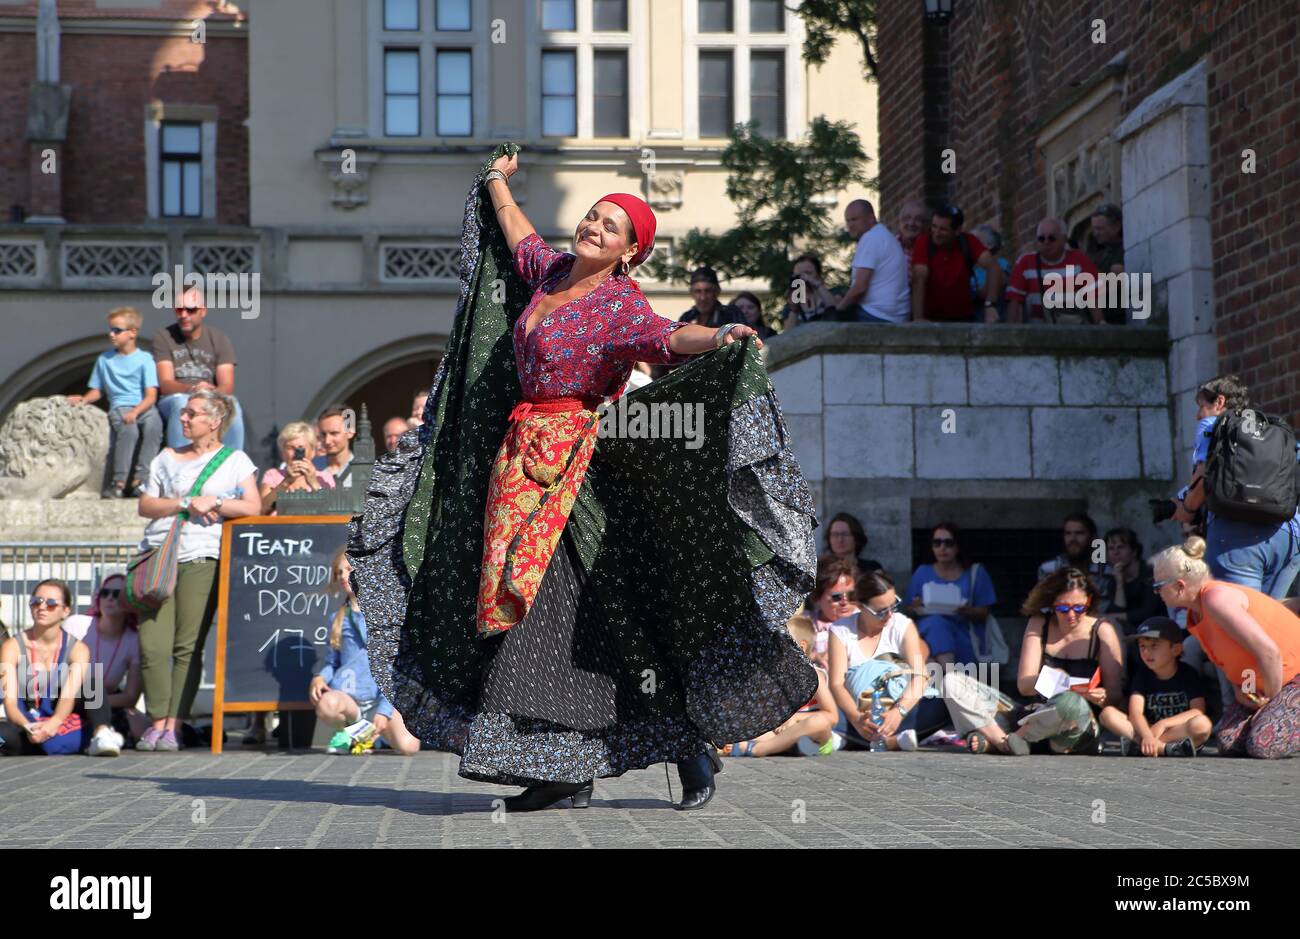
721,334
495,174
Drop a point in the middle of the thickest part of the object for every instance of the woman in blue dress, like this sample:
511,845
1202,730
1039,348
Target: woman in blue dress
948,634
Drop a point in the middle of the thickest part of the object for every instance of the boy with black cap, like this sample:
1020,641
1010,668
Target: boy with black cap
1166,705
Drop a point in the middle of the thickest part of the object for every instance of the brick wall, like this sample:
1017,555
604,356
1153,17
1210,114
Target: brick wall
112,77
1014,63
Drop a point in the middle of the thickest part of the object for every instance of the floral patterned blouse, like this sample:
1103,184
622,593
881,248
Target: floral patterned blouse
585,347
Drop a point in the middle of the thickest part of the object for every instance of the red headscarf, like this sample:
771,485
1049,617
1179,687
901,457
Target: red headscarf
643,222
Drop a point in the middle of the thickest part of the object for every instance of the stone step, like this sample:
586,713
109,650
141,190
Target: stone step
72,519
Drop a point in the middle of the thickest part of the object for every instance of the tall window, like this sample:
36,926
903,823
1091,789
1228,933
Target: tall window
454,91
559,93
559,15
452,15
767,92
766,16
609,98
181,159
715,16
401,14
401,93
716,109
609,15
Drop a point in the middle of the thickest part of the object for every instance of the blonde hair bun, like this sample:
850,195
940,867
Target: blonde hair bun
1194,547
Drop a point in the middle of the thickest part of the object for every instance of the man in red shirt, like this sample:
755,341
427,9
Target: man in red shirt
943,262
1072,301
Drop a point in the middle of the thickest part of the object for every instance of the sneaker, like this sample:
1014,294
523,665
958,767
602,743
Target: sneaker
1184,747
135,490
341,742
810,747
1017,745
112,492
362,734
106,742
167,742
1127,747
150,739
907,741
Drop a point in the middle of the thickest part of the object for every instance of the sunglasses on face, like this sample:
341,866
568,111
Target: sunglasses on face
1078,608
188,309
1160,584
114,330
113,592
881,614
944,542
846,597
49,602
190,413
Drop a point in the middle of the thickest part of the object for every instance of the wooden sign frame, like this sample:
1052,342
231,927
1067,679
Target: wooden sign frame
220,707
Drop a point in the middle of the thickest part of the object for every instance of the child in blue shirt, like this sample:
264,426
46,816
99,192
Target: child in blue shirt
127,376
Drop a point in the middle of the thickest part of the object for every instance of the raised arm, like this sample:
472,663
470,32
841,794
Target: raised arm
514,224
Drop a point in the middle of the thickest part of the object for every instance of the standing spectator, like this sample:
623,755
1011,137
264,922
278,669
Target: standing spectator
394,427
751,311
1166,703
912,217
172,637
948,634
992,239
846,539
1253,638
1078,536
417,408
193,357
707,311
335,438
1053,256
111,633
943,262
809,298
1134,601
127,375
1107,224
878,292
1065,633
42,669
296,472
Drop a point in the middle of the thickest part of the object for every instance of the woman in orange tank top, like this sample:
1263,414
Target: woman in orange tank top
1253,638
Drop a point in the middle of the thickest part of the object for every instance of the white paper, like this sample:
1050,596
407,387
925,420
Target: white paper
1052,681
940,599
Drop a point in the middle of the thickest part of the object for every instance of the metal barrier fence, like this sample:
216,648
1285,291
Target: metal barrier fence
82,564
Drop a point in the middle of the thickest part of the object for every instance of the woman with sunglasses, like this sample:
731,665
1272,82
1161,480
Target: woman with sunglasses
834,599
111,633
1253,638
948,634
1064,634
42,670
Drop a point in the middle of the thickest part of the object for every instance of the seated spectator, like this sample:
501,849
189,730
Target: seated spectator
992,239
1134,601
111,632
190,357
1166,703
948,634
1065,634
42,670
344,692
394,427
1253,638
811,729
707,311
296,472
1053,256
878,291
943,262
335,437
417,408
127,376
751,310
846,539
878,648
809,298
1107,254
833,598
1078,537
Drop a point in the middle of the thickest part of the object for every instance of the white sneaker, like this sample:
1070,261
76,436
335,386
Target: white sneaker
907,741
809,747
106,742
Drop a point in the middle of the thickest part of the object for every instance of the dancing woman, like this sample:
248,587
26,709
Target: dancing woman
546,596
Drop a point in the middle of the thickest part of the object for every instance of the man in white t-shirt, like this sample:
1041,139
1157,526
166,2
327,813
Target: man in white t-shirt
878,293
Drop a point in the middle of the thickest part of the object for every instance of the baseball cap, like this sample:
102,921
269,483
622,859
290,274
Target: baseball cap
1158,627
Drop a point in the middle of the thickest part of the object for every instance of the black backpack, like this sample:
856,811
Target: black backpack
1251,469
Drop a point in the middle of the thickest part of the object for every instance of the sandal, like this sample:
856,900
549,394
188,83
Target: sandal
741,748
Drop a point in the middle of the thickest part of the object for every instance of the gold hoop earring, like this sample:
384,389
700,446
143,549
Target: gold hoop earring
624,267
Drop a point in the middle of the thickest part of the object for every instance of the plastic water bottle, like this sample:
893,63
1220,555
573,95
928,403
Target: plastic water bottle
877,715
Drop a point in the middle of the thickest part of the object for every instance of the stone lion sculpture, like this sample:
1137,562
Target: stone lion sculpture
50,449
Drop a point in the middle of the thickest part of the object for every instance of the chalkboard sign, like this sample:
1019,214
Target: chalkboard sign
272,611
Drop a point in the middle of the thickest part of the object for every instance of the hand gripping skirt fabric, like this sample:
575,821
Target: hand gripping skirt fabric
658,628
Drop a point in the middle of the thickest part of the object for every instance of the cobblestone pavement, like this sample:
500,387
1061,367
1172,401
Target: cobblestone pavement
853,799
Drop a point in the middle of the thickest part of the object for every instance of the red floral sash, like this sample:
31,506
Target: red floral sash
535,480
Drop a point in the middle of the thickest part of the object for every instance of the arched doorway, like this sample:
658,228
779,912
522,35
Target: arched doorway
61,371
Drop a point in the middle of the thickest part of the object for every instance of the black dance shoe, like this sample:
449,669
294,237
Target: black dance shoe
540,797
697,780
